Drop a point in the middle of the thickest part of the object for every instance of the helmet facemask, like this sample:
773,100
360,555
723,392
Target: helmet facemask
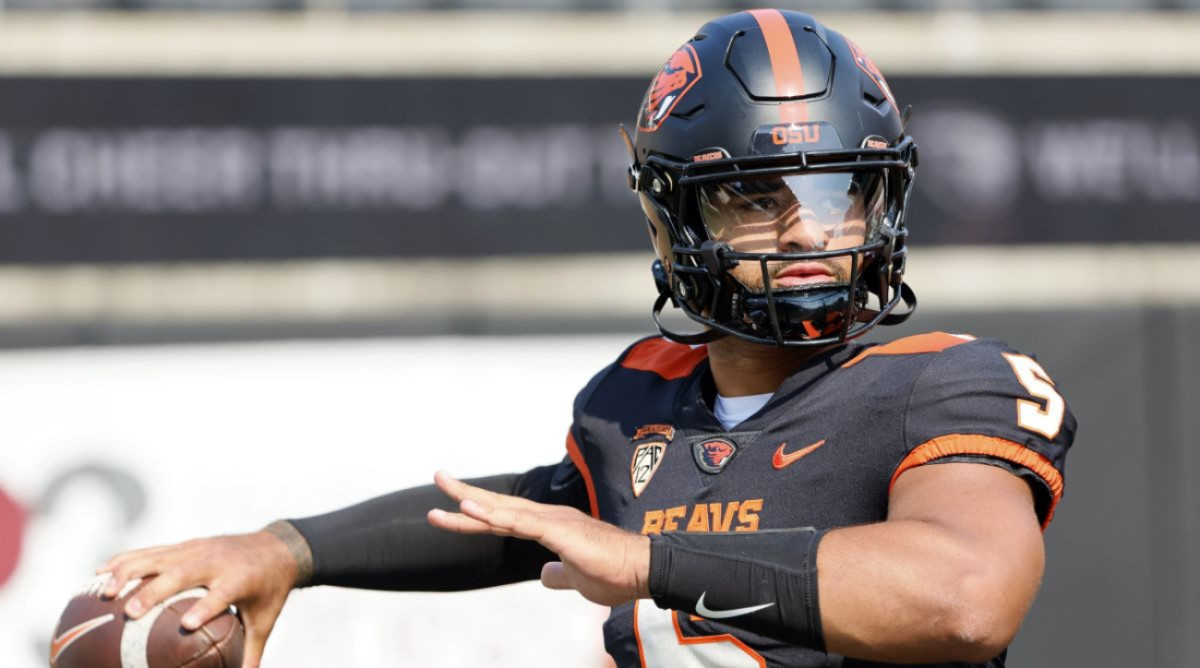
780,251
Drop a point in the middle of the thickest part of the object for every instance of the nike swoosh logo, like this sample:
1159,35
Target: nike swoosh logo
781,460
71,635
726,614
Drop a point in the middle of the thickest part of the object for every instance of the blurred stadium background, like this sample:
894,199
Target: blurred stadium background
264,258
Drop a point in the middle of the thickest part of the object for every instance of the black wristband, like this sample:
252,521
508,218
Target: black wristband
765,582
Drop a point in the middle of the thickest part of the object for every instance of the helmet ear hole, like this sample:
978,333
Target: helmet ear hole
654,182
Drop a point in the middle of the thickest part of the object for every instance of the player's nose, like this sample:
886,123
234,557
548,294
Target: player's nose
802,232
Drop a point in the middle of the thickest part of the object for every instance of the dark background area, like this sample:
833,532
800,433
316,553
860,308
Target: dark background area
136,170
593,5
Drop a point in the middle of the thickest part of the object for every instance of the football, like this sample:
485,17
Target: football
93,632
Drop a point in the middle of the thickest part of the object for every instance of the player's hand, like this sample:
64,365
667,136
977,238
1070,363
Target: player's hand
253,571
605,564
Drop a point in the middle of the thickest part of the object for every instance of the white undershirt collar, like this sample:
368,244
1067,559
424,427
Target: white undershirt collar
732,411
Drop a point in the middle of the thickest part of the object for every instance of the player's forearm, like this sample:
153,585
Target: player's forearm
907,591
913,591
387,543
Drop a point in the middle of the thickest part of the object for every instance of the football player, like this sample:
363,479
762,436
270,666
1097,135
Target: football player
766,491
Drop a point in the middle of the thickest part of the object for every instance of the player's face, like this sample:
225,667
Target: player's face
793,214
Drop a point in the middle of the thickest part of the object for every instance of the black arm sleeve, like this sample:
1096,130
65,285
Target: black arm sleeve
387,542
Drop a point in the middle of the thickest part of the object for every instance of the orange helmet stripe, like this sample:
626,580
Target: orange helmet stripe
785,63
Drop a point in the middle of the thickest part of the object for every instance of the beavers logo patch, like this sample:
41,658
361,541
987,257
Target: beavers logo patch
673,81
712,456
649,454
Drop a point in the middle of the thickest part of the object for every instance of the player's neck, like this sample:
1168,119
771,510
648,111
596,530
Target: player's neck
741,368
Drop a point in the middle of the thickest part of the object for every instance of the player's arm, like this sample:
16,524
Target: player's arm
386,543
383,543
949,576
956,566
953,570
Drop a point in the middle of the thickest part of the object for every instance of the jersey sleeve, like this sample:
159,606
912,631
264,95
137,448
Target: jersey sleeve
985,402
575,465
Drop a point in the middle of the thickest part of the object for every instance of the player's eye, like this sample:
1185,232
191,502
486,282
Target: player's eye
760,203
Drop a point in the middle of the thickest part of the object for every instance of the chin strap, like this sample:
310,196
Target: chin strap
910,305
707,336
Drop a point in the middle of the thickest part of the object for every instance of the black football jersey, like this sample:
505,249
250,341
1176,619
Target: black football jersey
823,452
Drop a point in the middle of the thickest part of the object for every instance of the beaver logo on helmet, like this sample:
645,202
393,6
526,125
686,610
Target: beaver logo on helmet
868,66
676,77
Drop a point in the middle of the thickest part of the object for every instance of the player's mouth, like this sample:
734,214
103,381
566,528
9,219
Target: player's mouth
804,273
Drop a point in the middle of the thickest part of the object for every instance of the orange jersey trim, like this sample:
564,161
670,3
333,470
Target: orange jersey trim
785,63
637,635
973,444
670,360
932,342
724,637
577,457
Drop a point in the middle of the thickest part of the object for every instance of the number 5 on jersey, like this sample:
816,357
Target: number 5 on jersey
1045,420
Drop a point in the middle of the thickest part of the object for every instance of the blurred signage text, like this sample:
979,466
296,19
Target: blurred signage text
118,170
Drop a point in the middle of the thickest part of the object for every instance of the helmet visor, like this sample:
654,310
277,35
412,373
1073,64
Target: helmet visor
794,213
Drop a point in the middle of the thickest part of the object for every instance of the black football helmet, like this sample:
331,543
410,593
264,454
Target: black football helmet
771,162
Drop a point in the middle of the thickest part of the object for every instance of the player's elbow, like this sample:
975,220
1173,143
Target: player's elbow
981,620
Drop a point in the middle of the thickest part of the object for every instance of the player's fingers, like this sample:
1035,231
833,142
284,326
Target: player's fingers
253,649
158,590
482,512
117,560
259,623
251,659
461,491
457,522
518,522
112,586
204,610
554,576
129,570
137,564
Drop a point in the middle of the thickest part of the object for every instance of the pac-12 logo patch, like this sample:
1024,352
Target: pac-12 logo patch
672,82
713,455
649,454
646,459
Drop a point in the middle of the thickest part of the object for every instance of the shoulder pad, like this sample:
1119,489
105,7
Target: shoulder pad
932,342
668,359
